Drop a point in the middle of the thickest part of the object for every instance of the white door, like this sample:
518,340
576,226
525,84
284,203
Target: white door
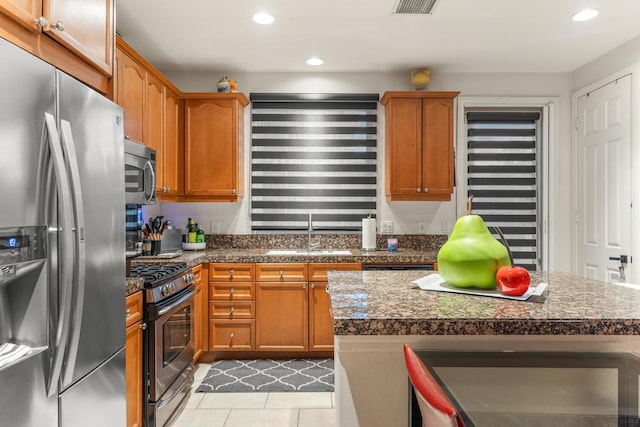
604,180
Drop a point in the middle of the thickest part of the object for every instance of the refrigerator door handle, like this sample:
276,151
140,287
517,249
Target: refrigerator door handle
65,225
79,258
149,191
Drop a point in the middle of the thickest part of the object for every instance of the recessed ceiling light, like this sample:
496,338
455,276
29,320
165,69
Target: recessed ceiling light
314,61
585,15
263,18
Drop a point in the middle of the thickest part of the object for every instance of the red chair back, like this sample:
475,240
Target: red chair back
435,407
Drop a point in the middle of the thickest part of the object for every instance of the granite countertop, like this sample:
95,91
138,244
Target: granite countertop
133,285
193,258
260,256
385,303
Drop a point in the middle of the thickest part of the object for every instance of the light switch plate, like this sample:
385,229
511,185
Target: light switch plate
386,227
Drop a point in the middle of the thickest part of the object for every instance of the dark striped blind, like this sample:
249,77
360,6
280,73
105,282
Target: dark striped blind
503,177
312,153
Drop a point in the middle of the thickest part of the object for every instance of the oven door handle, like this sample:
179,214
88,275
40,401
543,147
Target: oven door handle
176,303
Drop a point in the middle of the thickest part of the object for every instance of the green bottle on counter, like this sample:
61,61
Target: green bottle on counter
191,231
199,234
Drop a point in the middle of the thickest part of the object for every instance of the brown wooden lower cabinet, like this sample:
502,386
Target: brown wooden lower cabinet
231,307
282,316
133,357
320,321
276,307
231,335
200,310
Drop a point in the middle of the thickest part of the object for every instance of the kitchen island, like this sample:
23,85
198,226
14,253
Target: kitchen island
375,312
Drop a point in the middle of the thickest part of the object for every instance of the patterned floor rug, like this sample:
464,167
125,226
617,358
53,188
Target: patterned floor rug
268,375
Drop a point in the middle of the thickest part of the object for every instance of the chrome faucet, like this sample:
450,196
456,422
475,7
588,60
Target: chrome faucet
311,245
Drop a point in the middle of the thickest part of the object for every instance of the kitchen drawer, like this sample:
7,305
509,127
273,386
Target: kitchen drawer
231,272
232,291
232,310
318,272
232,335
133,308
281,272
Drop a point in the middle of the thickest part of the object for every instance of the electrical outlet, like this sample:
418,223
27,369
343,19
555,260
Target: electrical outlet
445,227
422,228
386,227
215,227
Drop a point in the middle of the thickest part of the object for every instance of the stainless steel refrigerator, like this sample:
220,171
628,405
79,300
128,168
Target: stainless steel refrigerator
62,243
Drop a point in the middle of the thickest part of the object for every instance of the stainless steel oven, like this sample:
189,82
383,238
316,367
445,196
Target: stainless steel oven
168,339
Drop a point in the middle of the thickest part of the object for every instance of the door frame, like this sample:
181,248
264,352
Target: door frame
549,136
634,71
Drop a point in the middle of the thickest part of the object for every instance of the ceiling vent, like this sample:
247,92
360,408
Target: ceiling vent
422,7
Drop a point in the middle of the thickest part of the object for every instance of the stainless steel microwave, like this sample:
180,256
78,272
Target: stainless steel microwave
139,173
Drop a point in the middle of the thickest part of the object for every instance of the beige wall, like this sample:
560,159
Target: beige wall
233,217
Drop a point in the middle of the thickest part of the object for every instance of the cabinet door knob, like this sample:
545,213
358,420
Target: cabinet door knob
168,189
281,273
231,291
233,191
313,285
232,335
143,326
231,310
59,26
304,286
418,190
426,190
41,21
128,312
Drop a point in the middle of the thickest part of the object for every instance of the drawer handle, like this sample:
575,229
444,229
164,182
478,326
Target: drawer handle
231,290
232,335
231,272
281,273
231,310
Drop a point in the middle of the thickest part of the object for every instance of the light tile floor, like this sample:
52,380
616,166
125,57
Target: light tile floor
256,409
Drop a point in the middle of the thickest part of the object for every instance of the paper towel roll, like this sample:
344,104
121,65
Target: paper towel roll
368,233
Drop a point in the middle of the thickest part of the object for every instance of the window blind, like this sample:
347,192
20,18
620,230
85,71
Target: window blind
313,153
503,177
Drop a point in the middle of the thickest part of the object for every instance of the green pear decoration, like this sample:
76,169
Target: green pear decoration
472,256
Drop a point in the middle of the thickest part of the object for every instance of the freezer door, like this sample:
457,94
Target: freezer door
98,399
91,129
27,86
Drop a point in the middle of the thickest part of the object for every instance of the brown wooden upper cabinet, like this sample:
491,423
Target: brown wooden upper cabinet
152,113
85,27
419,145
213,146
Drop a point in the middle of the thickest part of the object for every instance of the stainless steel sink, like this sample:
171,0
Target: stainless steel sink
276,252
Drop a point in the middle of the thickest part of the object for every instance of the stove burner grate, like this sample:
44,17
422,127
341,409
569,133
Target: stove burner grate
152,273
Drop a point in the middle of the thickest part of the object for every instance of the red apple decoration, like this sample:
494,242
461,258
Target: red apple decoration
512,280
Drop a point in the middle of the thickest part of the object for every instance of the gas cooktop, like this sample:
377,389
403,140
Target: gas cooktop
157,274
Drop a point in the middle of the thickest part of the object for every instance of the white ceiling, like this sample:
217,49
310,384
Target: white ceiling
364,35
